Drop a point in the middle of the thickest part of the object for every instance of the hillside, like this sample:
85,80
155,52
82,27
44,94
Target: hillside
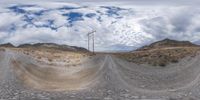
162,53
7,45
51,53
167,43
53,46
46,46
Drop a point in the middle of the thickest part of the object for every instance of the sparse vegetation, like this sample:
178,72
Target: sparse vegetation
174,60
162,64
39,57
159,57
2,49
55,56
50,60
161,53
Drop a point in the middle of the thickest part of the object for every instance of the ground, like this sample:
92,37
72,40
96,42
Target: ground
55,57
159,56
43,74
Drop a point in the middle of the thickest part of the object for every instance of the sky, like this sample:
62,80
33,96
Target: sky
121,25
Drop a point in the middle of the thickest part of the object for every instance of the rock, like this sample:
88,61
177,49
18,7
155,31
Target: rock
108,98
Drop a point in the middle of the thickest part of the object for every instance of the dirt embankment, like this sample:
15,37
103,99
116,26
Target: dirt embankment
66,70
160,56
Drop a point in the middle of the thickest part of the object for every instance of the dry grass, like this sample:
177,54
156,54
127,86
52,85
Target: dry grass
159,57
55,57
2,49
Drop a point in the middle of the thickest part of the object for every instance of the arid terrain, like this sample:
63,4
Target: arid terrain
165,70
161,53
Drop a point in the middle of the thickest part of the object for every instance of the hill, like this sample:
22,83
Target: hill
7,45
162,52
167,43
46,46
52,46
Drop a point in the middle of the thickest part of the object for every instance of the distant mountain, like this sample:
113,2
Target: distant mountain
7,45
53,46
118,48
46,45
167,43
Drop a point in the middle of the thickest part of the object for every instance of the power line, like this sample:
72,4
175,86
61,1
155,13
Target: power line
93,40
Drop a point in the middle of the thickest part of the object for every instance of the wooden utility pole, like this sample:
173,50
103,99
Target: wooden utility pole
88,42
93,43
91,34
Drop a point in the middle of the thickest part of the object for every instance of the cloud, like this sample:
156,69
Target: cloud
118,28
175,24
107,2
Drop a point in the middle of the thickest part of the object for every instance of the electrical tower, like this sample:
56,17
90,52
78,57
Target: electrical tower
91,34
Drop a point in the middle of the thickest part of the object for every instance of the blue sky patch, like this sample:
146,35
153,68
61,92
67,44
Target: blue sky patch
39,13
112,11
28,19
99,19
73,17
90,15
19,8
68,8
13,28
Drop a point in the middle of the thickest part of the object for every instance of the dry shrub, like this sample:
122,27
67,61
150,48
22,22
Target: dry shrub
50,60
39,57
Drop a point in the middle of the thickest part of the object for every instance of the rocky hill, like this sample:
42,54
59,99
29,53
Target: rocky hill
47,46
162,52
7,45
167,43
53,46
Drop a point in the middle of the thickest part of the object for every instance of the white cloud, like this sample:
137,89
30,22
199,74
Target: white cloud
8,18
133,27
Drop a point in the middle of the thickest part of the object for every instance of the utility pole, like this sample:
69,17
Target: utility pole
91,34
93,43
88,42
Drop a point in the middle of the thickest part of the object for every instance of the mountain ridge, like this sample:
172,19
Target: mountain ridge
167,43
46,45
7,45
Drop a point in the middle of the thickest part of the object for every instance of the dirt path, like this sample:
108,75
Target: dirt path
104,77
157,80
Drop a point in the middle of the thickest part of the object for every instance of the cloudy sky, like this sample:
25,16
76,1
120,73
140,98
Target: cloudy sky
119,24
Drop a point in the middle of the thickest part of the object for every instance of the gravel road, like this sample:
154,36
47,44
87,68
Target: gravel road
104,77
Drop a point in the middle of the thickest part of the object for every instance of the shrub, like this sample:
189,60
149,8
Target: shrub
50,60
174,60
162,64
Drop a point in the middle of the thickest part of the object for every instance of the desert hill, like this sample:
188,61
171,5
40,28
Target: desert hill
162,52
7,45
167,43
46,46
53,46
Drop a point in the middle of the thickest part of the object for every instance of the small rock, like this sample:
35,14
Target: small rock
143,97
143,86
108,98
126,95
134,97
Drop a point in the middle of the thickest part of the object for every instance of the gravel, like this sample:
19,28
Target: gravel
116,80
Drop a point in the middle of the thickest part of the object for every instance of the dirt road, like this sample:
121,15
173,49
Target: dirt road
103,77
